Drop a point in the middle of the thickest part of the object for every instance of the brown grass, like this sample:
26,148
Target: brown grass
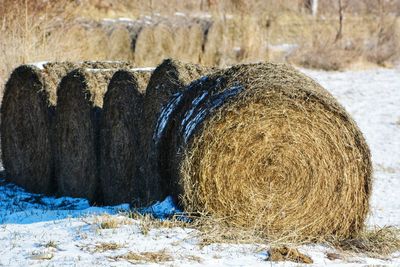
110,222
288,254
161,256
235,31
377,242
251,165
101,247
148,222
324,53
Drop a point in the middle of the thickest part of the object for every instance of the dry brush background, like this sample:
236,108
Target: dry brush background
200,31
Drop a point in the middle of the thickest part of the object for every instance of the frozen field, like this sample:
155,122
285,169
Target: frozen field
39,231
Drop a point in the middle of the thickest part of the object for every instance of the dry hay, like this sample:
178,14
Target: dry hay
154,43
79,105
120,147
213,44
122,37
119,44
27,115
193,29
288,254
266,147
177,37
169,78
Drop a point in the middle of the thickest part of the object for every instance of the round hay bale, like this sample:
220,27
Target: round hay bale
155,42
213,43
268,148
122,36
169,78
188,29
79,106
144,46
25,140
119,43
27,119
121,155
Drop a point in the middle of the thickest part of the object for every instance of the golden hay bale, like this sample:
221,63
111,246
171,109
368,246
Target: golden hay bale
154,43
267,147
169,78
120,149
213,45
194,30
122,37
27,117
119,44
145,43
79,106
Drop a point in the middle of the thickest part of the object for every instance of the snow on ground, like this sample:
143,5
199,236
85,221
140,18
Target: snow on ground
372,97
45,231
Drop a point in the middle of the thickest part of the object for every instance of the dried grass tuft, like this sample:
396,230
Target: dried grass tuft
102,247
377,242
277,155
161,256
288,254
110,222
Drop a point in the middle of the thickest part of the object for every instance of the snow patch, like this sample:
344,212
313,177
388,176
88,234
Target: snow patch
39,64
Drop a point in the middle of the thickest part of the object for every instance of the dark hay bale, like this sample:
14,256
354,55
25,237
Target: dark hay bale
25,140
79,106
121,155
169,78
266,147
27,115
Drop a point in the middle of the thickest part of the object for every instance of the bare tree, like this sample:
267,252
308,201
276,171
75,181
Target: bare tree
342,8
312,6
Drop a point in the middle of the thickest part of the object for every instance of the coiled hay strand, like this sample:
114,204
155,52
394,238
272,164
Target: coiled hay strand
79,105
27,119
121,153
169,78
268,148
